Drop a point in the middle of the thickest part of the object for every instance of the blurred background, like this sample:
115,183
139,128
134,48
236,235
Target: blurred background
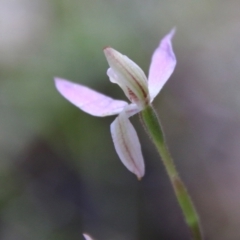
59,173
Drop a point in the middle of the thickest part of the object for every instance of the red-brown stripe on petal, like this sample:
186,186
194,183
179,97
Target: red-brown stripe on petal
130,73
127,144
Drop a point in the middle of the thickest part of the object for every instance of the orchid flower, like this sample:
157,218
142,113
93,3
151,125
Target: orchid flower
139,90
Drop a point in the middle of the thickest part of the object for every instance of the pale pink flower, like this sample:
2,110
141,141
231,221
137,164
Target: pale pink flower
138,89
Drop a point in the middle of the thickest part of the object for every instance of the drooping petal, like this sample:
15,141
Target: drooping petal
162,65
127,145
87,237
88,100
128,75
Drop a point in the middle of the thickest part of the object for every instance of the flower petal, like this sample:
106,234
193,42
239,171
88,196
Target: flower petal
128,75
132,109
87,237
162,65
88,100
127,145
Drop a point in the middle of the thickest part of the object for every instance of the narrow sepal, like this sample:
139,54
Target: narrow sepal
88,100
127,145
162,65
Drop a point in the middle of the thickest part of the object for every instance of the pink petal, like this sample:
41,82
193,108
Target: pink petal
162,65
87,237
127,145
132,109
88,100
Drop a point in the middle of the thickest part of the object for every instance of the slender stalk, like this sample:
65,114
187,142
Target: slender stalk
153,127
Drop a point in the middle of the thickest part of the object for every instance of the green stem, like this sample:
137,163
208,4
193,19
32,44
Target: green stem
154,129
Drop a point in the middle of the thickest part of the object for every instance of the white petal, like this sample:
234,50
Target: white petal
112,76
132,109
162,65
87,237
88,100
128,75
127,145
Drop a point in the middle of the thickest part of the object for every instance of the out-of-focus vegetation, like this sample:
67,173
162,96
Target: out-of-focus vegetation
59,173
